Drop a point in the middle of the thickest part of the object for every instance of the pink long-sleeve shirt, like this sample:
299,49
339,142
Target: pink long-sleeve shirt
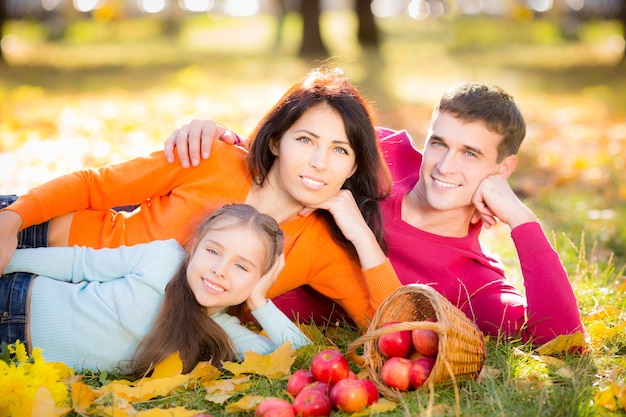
459,269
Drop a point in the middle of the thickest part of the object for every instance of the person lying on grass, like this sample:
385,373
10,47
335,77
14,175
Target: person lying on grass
440,201
316,148
132,306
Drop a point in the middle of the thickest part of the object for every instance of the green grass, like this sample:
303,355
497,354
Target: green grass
109,91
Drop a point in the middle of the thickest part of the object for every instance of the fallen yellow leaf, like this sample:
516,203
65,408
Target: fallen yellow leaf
562,343
222,390
83,397
271,365
383,405
149,388
170,366
43,405
247,403
169,412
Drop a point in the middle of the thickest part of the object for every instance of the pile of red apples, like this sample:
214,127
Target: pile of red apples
327,385
410,356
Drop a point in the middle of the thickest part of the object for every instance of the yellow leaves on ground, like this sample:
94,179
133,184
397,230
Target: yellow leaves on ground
562,344
117,397
274,365
222,390
612,398
245,404
166,378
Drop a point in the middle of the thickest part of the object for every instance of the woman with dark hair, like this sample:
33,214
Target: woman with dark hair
316,149
92,308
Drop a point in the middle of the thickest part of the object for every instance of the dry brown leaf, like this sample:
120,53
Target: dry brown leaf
222,390
488,372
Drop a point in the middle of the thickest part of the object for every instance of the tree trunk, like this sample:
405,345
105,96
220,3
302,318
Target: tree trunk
312,45
3,19
622,19
367,32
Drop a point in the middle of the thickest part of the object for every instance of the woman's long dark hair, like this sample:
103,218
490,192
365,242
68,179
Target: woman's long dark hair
182,324
370,183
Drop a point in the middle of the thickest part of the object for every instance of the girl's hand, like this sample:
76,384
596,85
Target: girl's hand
194,140
258,297
349,219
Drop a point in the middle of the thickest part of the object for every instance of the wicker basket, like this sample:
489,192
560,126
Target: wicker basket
462,348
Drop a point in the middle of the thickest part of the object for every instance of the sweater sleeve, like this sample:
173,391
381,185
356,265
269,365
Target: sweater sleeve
552,308
128,183
77,264
242,338
278,326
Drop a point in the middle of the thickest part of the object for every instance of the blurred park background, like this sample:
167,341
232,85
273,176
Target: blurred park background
88,82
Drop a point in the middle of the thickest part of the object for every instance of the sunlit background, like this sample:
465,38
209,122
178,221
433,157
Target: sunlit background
89,82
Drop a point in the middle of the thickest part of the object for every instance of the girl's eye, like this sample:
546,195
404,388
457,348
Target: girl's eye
212,251
240,266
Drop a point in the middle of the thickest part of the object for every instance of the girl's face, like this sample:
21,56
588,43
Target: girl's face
314,157
225,267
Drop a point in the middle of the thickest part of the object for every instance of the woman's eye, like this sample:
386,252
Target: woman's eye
304,139
342,151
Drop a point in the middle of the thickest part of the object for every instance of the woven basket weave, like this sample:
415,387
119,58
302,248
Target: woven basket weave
462,350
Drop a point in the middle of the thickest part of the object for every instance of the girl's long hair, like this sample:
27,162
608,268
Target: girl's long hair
370,183
182,324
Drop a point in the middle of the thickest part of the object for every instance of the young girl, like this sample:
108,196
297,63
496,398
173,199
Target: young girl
91,309
315,149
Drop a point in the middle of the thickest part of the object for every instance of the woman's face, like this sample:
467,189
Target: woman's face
225,267
314,157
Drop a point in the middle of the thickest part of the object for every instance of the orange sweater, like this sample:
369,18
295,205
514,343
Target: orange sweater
173,199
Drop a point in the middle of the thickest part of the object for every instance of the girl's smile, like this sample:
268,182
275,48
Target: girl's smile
225,266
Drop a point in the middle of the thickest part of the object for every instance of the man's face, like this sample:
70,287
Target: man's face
457,157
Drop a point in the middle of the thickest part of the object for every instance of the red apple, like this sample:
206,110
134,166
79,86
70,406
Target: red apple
329,366
274,407
298,380
372,391
420,371
426,342
349,395
395,343
396,372
319,386
312,402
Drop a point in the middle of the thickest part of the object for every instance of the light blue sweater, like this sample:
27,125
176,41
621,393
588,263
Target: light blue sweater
89,308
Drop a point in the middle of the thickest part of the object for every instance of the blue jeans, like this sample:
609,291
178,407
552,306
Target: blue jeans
31,237
13,299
